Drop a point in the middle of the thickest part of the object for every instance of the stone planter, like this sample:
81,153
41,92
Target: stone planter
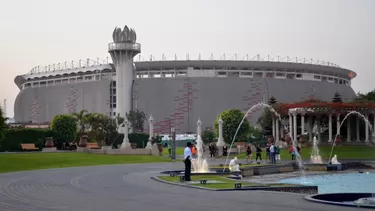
83,141
107,147
133,145
49,142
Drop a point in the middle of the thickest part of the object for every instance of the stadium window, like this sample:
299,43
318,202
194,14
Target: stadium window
290,76
269,75
247,73
299,76
88,78
50,83
324,78
79,79
258,75
330,79
316,76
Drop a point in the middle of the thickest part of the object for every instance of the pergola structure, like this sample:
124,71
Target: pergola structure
313,117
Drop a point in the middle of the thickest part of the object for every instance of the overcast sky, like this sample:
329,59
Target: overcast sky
43,32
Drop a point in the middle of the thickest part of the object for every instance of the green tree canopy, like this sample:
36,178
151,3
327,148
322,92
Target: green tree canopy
208,136
64,127
3,125
231,120
136,118
265,120
369,96
337,98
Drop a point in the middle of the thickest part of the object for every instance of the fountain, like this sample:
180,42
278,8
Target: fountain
315,158
334,160
200,164
342,122
264,105
233,166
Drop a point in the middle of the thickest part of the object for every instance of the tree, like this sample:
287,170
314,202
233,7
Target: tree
337,98
208,136
369,96
3,125
136,119
231,120
265,120
64,126
82,120
109,130
272,101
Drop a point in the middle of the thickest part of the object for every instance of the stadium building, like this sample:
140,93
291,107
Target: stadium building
175,92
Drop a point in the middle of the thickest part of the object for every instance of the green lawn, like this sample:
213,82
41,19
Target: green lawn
32,161
179,151
342,152
227,183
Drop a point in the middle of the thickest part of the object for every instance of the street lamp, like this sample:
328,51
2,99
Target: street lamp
173,143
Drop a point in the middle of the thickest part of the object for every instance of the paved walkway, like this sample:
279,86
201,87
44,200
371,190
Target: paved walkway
129,187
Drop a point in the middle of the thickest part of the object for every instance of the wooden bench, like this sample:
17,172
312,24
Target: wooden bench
93,146
28,147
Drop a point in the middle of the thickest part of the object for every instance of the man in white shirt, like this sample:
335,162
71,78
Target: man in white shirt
187,160
273,154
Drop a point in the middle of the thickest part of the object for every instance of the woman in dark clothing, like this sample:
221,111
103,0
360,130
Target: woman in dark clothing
259,153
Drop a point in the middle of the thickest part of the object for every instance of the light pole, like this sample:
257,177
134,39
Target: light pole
173,143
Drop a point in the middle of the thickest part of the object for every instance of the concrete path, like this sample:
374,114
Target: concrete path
129,187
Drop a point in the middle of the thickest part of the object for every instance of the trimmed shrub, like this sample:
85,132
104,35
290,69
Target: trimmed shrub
14,137
140,139
64,127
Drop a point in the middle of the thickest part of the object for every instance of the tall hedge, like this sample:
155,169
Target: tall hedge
14,137
64,127
140,139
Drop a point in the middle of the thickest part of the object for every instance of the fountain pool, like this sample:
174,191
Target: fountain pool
338,183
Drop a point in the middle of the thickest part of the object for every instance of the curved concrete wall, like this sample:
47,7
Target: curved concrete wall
43,103
181,101
173,101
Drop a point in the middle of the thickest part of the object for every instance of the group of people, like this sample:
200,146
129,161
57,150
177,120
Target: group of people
272,153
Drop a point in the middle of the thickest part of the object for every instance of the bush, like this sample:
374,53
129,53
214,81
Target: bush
231,120
140,139
14,137
64,127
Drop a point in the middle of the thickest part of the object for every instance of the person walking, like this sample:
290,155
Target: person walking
212,149
258,153
277,152
187,160
273,154
249,153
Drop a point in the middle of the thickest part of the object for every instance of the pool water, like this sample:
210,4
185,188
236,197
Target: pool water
338,183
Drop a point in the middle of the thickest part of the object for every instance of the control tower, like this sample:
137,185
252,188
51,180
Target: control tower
122,50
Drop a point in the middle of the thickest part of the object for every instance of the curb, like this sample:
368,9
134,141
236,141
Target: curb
182,185
311,199
262,189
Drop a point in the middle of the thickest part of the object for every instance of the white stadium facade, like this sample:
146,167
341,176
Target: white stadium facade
175,92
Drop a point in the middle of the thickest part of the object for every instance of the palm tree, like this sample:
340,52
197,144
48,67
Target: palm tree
82,120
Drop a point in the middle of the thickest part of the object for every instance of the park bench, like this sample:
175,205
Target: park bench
28,147
93,146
